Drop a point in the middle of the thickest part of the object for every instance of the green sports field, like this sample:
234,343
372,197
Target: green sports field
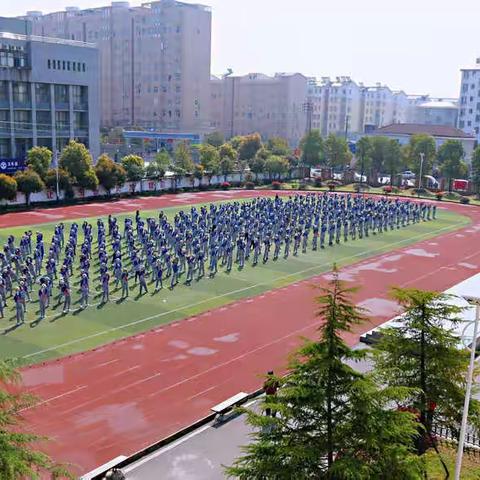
58,335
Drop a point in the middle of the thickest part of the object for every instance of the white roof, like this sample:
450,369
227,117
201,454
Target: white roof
439,104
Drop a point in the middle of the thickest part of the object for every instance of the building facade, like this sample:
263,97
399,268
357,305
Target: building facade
469,114
48,92
154,60
271,106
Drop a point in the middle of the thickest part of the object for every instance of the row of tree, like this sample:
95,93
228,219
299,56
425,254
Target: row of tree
377,155
216,157
331,421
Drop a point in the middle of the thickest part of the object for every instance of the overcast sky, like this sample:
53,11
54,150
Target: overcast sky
414,45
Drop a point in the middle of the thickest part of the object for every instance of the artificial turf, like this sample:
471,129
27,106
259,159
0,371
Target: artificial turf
58,335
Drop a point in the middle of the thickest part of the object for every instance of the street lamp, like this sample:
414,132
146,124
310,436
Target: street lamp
463,429
55,160
422,157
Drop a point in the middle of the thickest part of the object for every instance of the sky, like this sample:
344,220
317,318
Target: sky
417,46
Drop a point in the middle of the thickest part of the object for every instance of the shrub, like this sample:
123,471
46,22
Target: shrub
249,185
419,191
302,186
276,185
387,189
359,187
439,195
225,185
464,200
317,182
332,185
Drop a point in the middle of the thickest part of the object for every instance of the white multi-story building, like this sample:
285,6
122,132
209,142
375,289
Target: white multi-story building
469,114
154,60
271,106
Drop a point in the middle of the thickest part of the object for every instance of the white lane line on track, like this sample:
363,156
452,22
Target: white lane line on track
75,390
202,392
106,363
245,289
121,372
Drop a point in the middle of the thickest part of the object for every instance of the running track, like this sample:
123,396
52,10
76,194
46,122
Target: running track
124,396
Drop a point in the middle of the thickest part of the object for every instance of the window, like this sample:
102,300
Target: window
83,67
79,95
42,95
21,92
68,66
22,120
3,91
62,121
5,147
61,94
49,63
44,122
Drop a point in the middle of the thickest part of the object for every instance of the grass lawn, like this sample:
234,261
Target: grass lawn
58,335
470,464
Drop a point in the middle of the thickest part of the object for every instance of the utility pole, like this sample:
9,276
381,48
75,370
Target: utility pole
422,157
308,108
55,160
346,127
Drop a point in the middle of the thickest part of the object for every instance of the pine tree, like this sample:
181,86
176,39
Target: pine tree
423,355
17,457
332,422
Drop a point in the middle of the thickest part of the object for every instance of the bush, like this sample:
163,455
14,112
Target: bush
439,195
464,200
249,186
225,185
317,182
332,185
302,186
359,187
276,185
387,189
419,191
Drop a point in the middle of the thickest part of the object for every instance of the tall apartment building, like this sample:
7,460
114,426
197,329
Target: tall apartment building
271,106
154,60
469,114
336,106
48,91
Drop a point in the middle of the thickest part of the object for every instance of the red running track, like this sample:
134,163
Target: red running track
124,396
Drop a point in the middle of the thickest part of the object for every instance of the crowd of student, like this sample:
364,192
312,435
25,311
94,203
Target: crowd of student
262,229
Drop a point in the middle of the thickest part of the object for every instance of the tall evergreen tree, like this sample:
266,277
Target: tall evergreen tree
332,421
424,355
18,458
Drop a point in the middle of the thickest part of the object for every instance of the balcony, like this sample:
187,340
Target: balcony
80,106
62,130
62,106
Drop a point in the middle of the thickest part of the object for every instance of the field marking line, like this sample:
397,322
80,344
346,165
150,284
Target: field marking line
54,398
241,290
200,393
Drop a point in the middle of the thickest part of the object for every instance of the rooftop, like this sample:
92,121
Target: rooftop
415,128
439,104
36,38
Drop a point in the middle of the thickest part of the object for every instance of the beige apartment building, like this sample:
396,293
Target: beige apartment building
154,60
270,105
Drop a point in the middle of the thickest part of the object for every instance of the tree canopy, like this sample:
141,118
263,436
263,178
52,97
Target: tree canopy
39,160
28,182
77,161
337,153
109,173
249,146
312,148
332,422
18,458
134,167
8,187
421,144
424,356
278,146
215,139
476,169
183,162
